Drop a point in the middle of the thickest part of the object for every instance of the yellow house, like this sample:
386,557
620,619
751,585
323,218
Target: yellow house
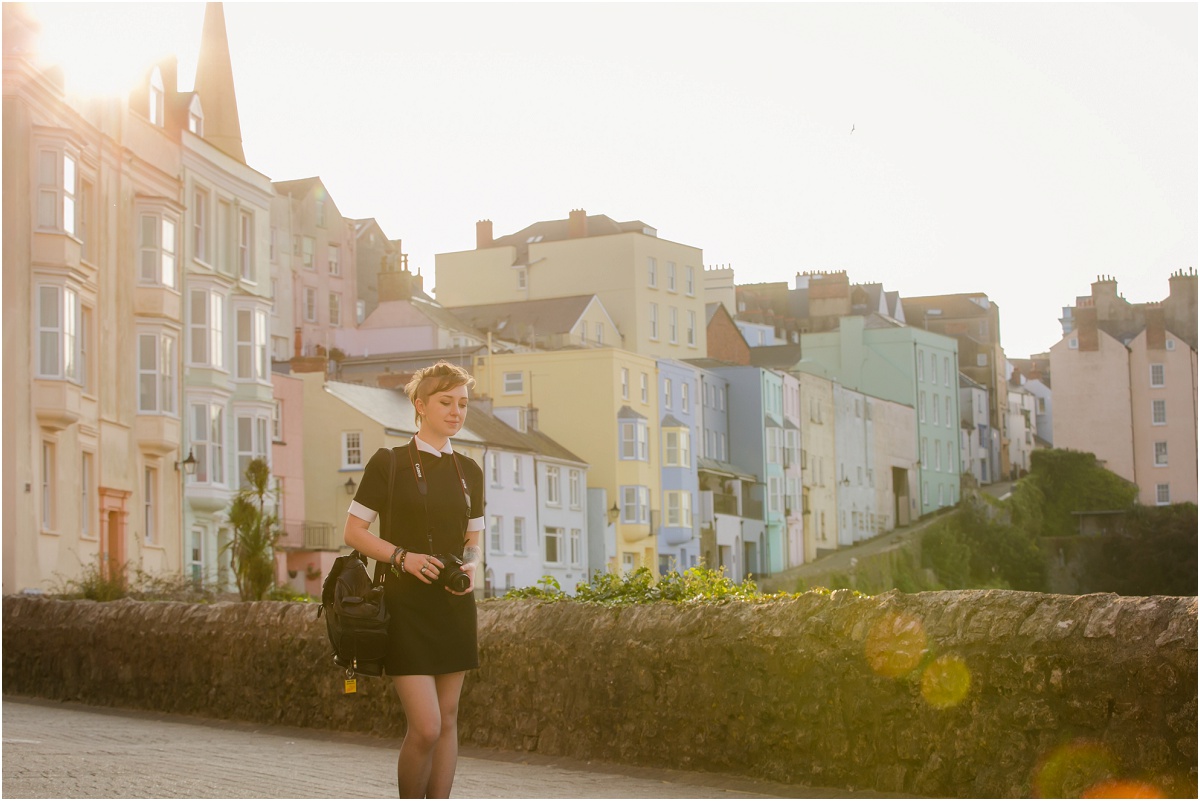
601,404
818,465
652,288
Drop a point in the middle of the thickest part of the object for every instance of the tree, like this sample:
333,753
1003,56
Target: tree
255,531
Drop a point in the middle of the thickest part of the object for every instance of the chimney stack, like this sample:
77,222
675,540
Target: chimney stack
577,226
483,234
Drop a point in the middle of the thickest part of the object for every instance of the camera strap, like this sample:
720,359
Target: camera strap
414,455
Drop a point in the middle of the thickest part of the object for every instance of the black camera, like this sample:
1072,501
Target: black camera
452,575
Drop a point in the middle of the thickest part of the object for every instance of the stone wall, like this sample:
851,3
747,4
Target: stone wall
970,694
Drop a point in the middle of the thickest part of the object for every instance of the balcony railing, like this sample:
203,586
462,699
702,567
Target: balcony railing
321,537
725,504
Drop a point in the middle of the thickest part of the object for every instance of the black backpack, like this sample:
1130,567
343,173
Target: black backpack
355,613
356,616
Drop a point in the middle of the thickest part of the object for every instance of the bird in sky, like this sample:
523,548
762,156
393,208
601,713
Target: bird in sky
851,127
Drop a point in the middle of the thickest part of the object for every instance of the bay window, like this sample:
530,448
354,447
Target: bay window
56,190
208,442
59,325
252,441
206,328
635,504
156,373
251,338
157,247
677,447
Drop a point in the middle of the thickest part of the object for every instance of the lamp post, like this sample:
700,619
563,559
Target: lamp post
350,486
189,464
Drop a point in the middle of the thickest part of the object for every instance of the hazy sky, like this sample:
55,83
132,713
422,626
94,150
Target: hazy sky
1017,150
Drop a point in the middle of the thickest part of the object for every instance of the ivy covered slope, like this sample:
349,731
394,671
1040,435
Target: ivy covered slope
697,585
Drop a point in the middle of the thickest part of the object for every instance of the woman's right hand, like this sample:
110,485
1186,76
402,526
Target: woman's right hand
422,566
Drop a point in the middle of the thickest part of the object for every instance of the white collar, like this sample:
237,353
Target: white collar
422,445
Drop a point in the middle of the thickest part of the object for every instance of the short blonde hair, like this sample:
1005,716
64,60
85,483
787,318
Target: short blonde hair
440,377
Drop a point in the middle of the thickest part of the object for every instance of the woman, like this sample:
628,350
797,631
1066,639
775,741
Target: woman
434,511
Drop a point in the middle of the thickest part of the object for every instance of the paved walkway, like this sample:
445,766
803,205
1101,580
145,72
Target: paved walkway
63,750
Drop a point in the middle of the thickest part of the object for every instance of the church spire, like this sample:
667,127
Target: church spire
214,85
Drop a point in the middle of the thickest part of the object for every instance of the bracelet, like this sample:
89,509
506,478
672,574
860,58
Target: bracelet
403,556
395,553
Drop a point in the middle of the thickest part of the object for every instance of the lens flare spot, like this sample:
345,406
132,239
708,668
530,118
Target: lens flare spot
895,644
1119,788
1073,768
945,682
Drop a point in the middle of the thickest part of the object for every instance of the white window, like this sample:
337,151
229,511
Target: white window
670,276
774,446
933,367
689,280
654,321
335,309
1160,454
310,304
1158,376
59,322
937,415
251,338
157,248
667,393
677,447
246,246
200,225
652,271
721,400
207,328
645,388
335,260
150,505
635,504
49,486
775,495
522,278
1162,494
1073,343
196,117
1170,344
634,440
673,329
56,190
625,383
576,490
208,442
351,449
252,442
924,452
496,532
792,454
691,328
494,468
87,495
921,407
946,370
684,401
519,535
1159,412
307,254
679,508
553,486
722,453
514,383
154,110
921,366
277,421
947,417
554,545
516,465
576,547
156,373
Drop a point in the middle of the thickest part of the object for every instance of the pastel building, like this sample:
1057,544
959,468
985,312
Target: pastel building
818,462
602,405
912,367
679,431
855,454
974,448
650,286
1125,387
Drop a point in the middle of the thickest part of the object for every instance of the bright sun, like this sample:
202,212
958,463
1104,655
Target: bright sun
106,49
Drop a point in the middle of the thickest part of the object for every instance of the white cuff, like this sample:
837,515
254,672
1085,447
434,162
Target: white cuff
475,524
362,512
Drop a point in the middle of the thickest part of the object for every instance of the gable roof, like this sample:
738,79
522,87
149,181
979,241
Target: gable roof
299,187
558,230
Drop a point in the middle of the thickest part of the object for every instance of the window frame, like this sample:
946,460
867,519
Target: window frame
351,444
165,381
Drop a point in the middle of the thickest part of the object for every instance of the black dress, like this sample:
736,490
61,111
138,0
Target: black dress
432,631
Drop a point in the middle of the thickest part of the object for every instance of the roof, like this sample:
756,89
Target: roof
952,307
671,421
415,312
517,320
627,413
558,230
780,357
494,431
296,188
723,469
388,407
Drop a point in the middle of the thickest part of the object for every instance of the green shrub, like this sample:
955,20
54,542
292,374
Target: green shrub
694,585
103,580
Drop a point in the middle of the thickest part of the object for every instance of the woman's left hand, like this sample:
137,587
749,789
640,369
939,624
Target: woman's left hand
469,569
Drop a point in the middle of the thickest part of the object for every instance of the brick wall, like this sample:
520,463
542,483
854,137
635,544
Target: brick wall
969,694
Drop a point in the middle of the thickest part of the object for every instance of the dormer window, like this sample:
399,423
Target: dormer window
157,96
196,116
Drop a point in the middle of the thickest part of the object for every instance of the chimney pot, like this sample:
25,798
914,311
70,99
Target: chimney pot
577,225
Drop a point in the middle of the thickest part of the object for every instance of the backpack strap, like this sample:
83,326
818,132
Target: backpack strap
387,515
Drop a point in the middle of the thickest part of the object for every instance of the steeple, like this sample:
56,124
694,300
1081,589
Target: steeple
214,85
